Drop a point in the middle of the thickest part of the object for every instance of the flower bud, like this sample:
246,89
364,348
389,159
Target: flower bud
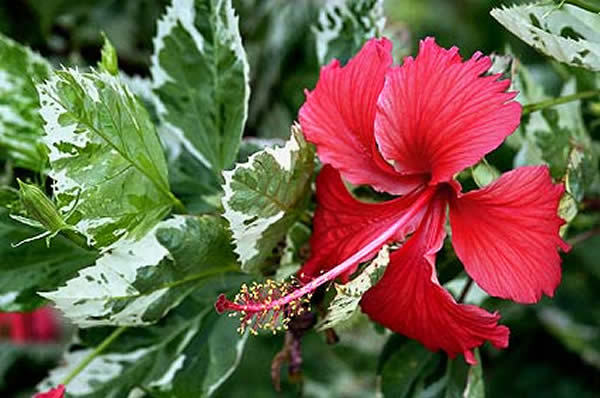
40,207
109,61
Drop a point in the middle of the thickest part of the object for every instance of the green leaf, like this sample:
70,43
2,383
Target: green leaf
251,145
484,173
33,267
190,353
197,186
142,88
581,171
201,78
345,25
137,282
109,62
567,210
464,381
348,296
106,158
567,33
557,137
9,199
20,124
401,365
296,251
407,368
265,196
475,384
577,337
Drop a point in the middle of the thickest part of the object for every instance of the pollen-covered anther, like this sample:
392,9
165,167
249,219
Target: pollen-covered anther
269,305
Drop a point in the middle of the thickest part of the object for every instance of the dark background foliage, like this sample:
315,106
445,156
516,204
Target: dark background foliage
555,345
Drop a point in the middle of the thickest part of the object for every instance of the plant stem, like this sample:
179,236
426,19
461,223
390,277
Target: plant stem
585,4
179,207
83,364
465,291
577,239
538,106
76,238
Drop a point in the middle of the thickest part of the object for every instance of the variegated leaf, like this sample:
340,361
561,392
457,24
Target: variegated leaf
265,196
484,173
105,156
138,282
20,124
32,267
347,298
200,76
188,354
567,33
345,25
557,137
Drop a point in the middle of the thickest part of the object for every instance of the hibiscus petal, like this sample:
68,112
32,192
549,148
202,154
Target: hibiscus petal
343,225
438,115
506,234
339,115
58,392
409,299
43,325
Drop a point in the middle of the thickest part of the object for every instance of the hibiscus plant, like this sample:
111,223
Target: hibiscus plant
291,198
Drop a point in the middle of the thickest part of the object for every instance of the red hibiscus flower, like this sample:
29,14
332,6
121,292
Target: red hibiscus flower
58,392
37,326
408,130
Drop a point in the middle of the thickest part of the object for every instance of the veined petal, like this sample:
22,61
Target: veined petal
339,115
343,225
506,234
409,299
439,115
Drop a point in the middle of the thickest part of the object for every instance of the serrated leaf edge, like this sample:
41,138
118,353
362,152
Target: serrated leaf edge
184,13
245,236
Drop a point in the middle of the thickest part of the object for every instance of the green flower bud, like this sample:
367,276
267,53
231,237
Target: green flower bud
109,61
40,207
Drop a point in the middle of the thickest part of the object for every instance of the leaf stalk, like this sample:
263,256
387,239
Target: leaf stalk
97,351
538,106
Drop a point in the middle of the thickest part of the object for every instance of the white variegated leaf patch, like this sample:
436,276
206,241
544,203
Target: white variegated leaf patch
345,25
192,350
567,33
136,282
201,79
347,299
106,159
20,124
265,196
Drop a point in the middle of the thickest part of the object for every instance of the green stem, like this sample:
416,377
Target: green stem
538,106
76,238
179,207
585,4
577,239
83,364
465,291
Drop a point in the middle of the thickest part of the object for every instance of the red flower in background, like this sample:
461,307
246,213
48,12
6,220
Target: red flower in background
408,130
37,326
58,392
